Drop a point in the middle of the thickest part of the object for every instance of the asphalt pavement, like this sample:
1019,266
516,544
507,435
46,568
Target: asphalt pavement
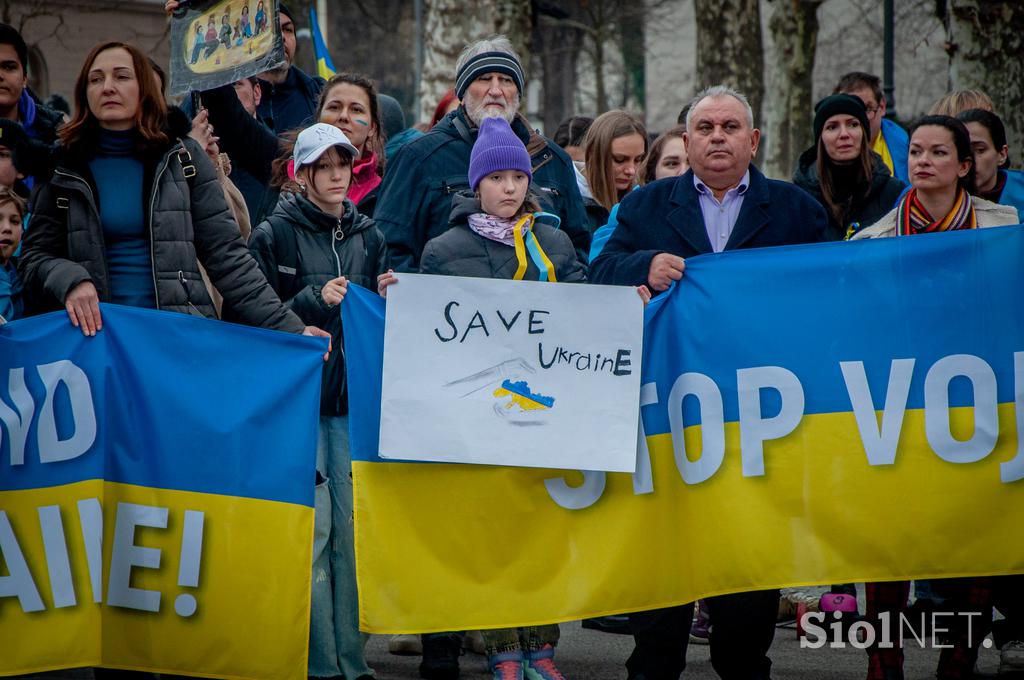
585,654
591,655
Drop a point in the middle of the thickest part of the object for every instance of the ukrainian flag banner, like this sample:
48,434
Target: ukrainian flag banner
156,493
810,415
324,65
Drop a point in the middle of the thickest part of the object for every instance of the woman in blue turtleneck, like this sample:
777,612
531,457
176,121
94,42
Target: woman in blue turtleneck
133,208
117,172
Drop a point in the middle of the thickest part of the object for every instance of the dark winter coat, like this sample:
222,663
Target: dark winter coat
40,122
460,251
326,248
290,105
248,141
251,145
188,222
597,214
415,200
665,217
867,204
33,147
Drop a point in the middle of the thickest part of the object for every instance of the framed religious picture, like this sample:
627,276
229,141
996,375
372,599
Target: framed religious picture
216,42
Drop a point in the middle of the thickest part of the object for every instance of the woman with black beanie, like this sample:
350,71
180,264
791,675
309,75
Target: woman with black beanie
840,170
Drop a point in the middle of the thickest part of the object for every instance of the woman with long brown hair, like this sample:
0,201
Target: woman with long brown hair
133,208
841,171
666,158
613,150
349,103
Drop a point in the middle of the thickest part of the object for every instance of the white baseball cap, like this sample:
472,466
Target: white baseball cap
315,140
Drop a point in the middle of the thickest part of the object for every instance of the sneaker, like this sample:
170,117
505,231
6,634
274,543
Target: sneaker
441,656
405,645
700,629
506,666
1011,657
841,608
540,665
838,602
507,670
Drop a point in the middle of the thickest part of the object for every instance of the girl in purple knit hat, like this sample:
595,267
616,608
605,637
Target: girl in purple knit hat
497,232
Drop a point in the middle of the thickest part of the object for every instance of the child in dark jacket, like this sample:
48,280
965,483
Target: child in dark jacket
12,212
495,234
311,248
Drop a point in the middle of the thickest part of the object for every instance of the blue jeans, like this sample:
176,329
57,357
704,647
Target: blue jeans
526,639
335,643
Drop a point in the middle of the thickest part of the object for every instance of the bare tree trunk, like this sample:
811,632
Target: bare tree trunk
513,18
729,47
601,95
559,49
794,26
449,25
631,40
445,26
986,46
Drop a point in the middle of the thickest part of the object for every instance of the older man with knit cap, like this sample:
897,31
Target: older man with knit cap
416,195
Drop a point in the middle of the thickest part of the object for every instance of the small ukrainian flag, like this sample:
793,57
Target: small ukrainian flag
324,66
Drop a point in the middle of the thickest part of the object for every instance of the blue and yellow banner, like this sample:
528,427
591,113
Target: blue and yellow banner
811,415
156,493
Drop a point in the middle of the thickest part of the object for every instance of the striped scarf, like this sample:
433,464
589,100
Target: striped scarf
913,218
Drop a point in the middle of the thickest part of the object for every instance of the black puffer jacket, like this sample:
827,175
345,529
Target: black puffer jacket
865,208
459,251
188,223
325,248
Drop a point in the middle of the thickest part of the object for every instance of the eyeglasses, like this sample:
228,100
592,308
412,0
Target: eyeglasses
872,110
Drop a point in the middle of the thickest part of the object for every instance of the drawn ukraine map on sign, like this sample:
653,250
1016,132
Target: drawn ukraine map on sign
514,401
521,396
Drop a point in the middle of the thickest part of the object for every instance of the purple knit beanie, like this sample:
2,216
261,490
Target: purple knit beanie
497,148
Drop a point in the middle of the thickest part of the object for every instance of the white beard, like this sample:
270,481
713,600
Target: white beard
478,111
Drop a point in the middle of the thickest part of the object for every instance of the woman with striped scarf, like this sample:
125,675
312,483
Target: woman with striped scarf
941,169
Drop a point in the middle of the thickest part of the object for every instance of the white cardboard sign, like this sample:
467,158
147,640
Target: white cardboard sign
523,373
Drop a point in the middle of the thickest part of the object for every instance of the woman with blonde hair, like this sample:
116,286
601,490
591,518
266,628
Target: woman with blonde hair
958,101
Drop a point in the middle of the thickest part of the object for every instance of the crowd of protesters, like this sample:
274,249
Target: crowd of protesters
264,204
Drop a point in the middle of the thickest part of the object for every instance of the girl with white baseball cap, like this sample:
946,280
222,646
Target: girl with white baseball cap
311,248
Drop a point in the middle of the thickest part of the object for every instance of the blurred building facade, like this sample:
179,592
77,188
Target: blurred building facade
60,34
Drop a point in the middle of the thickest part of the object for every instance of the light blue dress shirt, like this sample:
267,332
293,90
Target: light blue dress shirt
720,217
